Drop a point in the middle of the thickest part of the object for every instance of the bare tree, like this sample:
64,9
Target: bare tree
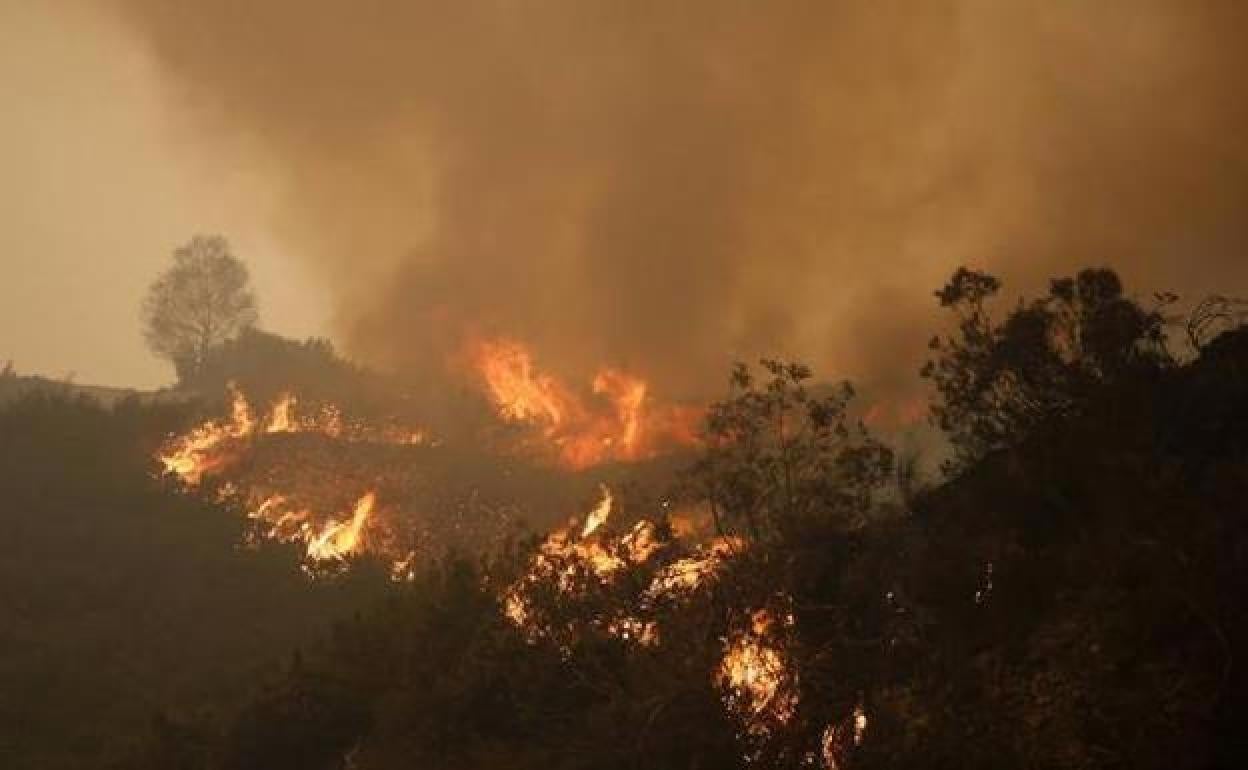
200,302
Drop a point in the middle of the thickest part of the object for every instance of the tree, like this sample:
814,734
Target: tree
778,456
199,303
998,381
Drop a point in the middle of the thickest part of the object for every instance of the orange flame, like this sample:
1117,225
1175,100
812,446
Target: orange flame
613,421
598,516
206,449
282,419
196,453
339,539
759,683
211,449
562,559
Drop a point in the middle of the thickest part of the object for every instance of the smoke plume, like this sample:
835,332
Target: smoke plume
665,186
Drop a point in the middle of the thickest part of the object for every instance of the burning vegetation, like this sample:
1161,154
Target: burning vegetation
782,605
225,451
341,488
615,420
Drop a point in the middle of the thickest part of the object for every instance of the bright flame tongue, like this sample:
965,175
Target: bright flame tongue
340,539
612,423
216,447
598,516
283,420
519,392
197,453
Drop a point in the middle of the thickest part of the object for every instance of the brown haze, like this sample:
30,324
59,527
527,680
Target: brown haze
101,175
666,185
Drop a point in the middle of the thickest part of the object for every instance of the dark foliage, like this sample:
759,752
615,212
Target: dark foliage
999,381
1074,598
120,596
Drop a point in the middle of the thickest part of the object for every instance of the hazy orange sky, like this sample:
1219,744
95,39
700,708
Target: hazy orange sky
103,174
659,186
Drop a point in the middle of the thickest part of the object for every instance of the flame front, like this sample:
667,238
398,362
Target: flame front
215,447
613,421
198,452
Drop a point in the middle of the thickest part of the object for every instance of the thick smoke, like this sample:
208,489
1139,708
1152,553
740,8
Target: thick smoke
665,186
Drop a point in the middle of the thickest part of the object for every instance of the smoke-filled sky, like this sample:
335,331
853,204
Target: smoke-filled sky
658,185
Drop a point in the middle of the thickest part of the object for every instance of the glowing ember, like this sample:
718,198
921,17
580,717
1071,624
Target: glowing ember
685,575
755,673
630,629
860,725
562,561
837,738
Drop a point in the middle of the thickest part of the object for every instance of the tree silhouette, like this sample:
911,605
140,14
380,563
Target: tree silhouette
998,381
200,302
778,454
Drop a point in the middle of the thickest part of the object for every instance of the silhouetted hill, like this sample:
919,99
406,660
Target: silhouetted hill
121,596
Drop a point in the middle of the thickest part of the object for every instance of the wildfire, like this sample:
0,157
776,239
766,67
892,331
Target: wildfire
335,539
214,447
206,449
758,680
614,421
282,419
563,560
339,539
687,574
598,516
837,739
196,453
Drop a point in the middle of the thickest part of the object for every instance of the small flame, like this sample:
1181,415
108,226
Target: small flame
598,516
755,673
339,539
214,447
282,419
687,574
193,455
837,738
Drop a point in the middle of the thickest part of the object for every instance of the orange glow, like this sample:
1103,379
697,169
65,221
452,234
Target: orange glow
686,575
519,392
598,516
199,452
282,419
760,686
612,420
563,560
214,448
339,539
335,539
208,448
887,415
